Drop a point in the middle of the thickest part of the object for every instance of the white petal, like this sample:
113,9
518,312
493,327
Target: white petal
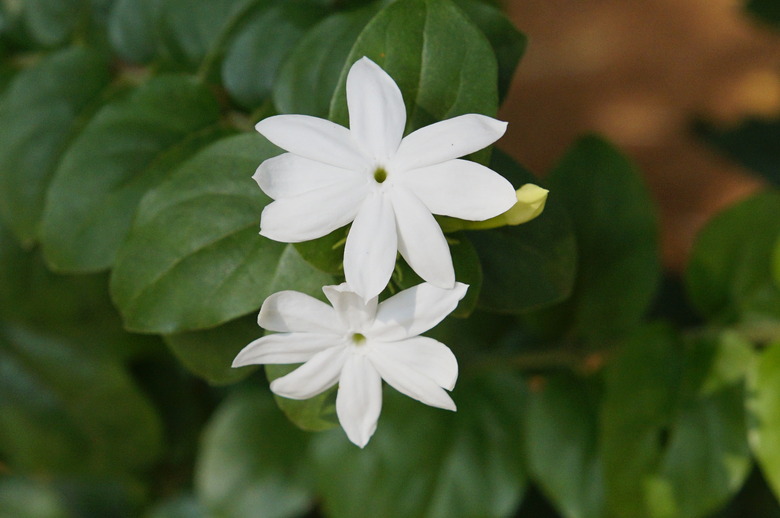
372,243
414,311
421,241
289,311
445,140
425,355
377,114
359,399
285,348
399,374
315,376
289,175
313,214
351,310
461,189
313,138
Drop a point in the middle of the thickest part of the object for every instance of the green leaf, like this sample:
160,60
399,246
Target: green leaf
60,411
194,259
131,29
766,10
40,112
309,75
209,353
24,498
51,22
729,277
508,43
530,265
258,49
314,414
673,430
427,462
561,446
442,63
253,462
615,226
180,507
127,148
764,407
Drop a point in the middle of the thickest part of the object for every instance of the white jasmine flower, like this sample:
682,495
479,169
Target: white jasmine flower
357,344
388,186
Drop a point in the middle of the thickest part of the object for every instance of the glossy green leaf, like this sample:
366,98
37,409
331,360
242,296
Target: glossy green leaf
194,258
314,414
132,31
253,462
729,276
309,76
530,265
417,42
60,411
51,22
615,227
764,407
254,56
40,112
427,462
561,446
127,148
673,445
209,353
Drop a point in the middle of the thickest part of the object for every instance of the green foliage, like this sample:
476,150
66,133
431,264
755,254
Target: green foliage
764,413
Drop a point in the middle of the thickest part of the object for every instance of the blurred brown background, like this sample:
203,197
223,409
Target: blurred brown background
638,72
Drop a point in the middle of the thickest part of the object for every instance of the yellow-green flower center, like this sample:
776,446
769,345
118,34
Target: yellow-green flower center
358,339
380,175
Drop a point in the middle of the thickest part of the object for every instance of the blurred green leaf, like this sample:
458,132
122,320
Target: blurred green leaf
209,353
766,10
314,414
180,507
40,112
309,76
194,258
427,462
24,498
530,265
253,462
672,447
60,410
729,276
127,148
260,46
561,445
615,226
132,30
51,22
764,411
416,42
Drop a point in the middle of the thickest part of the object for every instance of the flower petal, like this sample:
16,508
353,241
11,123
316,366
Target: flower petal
461,189
315,139
359,399
291,311
369,254
290,175
350,308
421,241
406,380
445,140
424,355
414,311
313,214
377,114
285,348
315,376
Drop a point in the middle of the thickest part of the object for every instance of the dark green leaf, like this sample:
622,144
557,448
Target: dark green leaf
327,252
673,427
255,55
309,76
51,22
442,63
729,276
561,448
131,29
194,258
127,148
615,226
253,461
427,462
181,507
209,353
314,414
530,265
24,498
767,10
40,112
764,407
60,411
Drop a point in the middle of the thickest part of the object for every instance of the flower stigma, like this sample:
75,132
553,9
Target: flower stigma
380,175
358,339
